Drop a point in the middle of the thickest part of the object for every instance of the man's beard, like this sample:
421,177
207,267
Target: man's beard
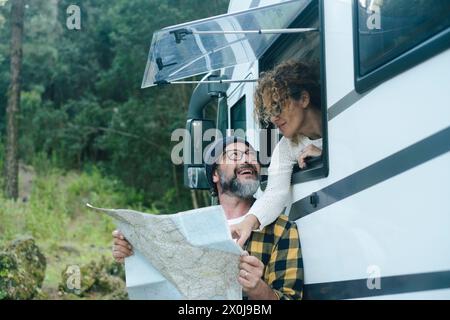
243,190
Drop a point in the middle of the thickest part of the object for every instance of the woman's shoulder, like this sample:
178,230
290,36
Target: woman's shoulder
283,145
291,148
303,141
296,144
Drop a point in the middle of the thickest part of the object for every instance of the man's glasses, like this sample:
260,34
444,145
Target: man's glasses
237,155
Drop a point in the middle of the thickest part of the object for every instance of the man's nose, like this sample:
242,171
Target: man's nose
249,158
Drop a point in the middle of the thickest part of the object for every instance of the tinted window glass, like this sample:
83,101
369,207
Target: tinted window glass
388,28
238,118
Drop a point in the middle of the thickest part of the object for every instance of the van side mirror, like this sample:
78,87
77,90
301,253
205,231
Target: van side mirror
196,178
195,144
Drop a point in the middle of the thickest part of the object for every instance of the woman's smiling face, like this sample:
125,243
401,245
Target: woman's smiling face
289,96
292,117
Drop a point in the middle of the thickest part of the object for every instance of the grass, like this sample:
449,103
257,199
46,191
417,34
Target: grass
67,232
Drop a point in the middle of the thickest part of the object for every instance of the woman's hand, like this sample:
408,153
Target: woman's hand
308,151
242,230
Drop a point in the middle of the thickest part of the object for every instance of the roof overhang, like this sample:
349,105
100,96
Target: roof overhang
202,46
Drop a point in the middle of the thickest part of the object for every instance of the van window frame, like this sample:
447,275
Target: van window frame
240,103
222,115
400,63
321,171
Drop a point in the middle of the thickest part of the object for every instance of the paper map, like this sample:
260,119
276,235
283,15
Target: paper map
188,255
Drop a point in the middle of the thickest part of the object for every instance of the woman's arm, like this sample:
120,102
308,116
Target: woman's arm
270,205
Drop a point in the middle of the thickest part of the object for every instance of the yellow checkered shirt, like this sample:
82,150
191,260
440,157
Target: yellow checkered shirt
278,247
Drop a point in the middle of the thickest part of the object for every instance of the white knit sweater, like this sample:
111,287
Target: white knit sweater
270,205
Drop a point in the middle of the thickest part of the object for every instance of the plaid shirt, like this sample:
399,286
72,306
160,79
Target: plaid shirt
278,247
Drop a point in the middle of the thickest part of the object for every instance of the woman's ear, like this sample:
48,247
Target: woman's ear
305,99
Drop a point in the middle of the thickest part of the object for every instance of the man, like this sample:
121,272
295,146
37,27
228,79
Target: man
272,266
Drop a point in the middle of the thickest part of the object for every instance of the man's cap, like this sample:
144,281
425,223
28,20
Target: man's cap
214,151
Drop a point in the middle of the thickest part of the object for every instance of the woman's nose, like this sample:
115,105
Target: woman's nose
274,119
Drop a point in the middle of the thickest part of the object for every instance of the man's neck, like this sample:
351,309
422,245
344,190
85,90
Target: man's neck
233,206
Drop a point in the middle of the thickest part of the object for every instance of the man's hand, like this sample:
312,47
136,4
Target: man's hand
243,230
251,270
121,247
308,151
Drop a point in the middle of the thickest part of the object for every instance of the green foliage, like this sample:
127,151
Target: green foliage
22,269
88,130
81,100
98,278
57,209
2,156
56,215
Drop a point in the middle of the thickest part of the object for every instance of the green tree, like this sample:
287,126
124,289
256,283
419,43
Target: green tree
82,101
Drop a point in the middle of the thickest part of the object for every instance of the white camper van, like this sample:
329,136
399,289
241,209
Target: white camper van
374,210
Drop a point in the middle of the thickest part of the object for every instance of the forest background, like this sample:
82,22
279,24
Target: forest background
87,131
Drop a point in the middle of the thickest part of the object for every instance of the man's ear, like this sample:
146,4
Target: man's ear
215,177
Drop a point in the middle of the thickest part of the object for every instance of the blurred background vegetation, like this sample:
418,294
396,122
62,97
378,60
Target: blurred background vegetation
88,133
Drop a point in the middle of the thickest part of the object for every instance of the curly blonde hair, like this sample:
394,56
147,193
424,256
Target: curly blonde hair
286,81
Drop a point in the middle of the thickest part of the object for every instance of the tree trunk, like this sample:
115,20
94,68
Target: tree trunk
194,199
175,182
13,108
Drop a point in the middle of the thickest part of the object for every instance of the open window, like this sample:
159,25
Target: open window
220,43
202,46
391,36
238,118
308,47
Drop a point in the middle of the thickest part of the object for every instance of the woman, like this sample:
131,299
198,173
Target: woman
289,97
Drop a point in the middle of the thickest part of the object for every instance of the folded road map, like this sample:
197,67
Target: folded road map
188,255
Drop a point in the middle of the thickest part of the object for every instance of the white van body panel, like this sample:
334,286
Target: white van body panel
401,225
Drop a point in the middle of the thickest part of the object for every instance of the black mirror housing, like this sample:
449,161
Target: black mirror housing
195,143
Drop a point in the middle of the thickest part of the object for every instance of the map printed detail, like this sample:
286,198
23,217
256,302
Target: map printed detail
188,255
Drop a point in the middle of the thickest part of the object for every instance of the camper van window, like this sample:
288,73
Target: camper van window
393,35
222,116
238,118
210,110
309,49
